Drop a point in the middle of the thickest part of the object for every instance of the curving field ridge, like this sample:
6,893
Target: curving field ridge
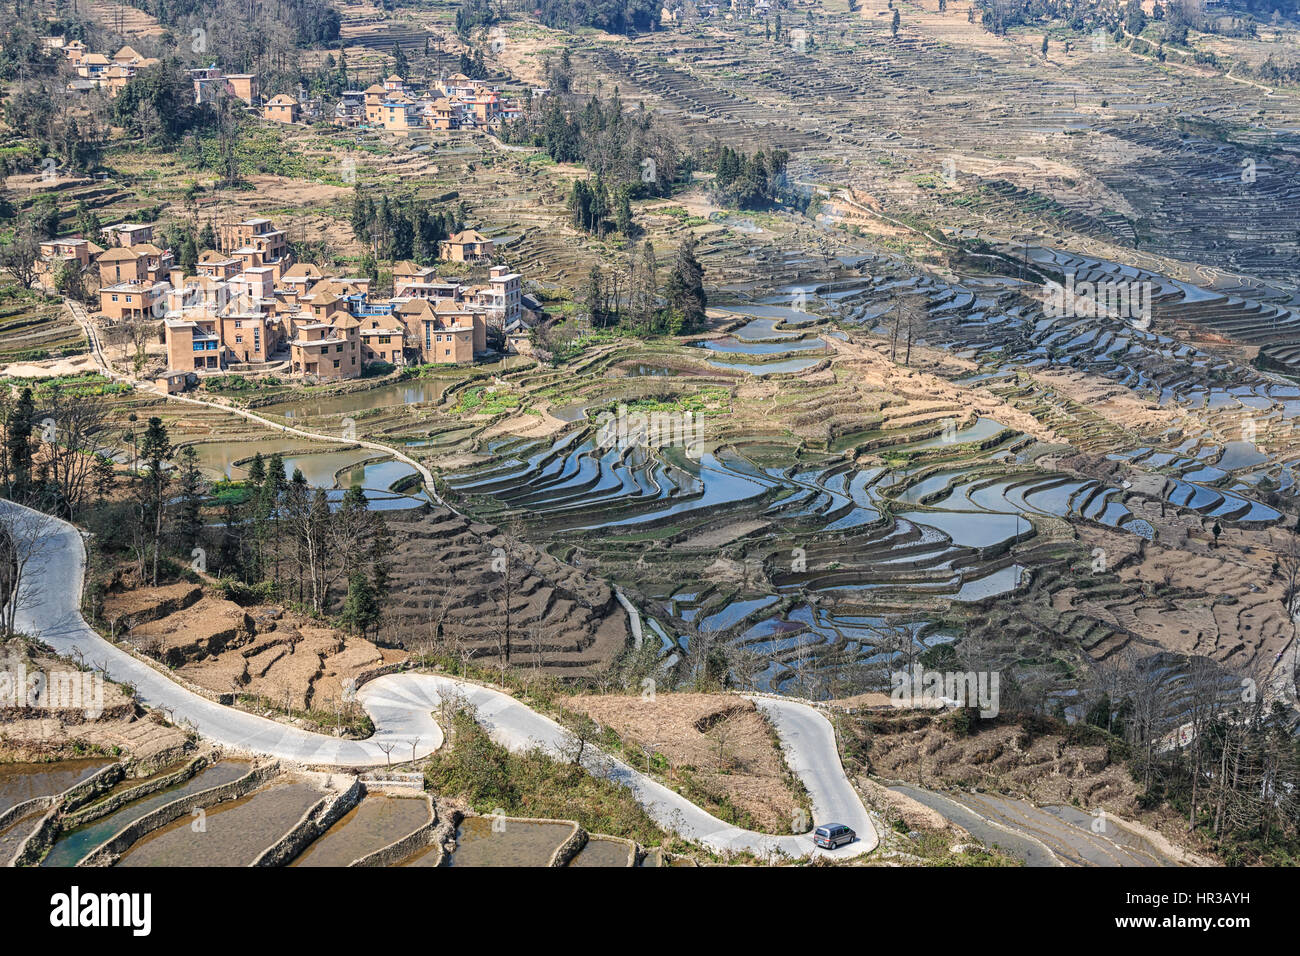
402,705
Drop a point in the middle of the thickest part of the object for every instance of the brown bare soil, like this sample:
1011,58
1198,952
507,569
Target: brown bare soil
1044,768
717,743
448,599
918,747
261,652
38,733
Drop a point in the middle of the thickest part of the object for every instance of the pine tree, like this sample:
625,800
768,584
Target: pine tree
361,606
155,452
685,287
623,211
189,523
104,477
19,449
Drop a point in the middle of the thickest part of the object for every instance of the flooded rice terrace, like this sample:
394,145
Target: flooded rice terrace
20,782
508,843
72,846
234,833
816,525
371,825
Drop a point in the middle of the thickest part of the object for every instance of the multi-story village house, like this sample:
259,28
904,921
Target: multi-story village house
255,243
329,325
127,233
133,300
466,246
57,253
210,83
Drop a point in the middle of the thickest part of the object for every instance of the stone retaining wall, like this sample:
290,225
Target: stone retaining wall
570,848
109,852
632,847
75,818
18,811
392,667
413,842
42,838
318,818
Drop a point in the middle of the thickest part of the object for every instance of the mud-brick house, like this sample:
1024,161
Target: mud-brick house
128,234
281,108
328,350
443,332
56,253
383,336
133,300
217,265
193,342
466,246
255,243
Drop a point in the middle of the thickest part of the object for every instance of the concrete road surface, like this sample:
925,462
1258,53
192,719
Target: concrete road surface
402,706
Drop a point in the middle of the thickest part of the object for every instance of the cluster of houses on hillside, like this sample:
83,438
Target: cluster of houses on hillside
249,304
456,102
97,71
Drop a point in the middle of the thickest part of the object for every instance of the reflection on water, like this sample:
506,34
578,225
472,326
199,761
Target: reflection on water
600,852
25,781
397,393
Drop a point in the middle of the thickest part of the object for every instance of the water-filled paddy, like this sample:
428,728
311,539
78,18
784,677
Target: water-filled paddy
234,833
20,782
512,843
73,845
601,852
371,825
766,368
414,392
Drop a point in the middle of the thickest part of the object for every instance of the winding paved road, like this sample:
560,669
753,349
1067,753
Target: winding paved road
402,706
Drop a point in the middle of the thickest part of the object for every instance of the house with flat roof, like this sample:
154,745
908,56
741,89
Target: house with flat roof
128,233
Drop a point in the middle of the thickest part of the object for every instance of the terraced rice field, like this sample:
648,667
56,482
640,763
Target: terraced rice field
73,845
34,327
234,833
512,843
371,825
20,782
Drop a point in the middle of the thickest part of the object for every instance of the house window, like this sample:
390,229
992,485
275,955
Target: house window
336,363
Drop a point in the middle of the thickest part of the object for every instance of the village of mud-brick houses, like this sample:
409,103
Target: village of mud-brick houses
251,307
393,106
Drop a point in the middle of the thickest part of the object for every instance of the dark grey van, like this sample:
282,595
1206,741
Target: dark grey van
831,835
